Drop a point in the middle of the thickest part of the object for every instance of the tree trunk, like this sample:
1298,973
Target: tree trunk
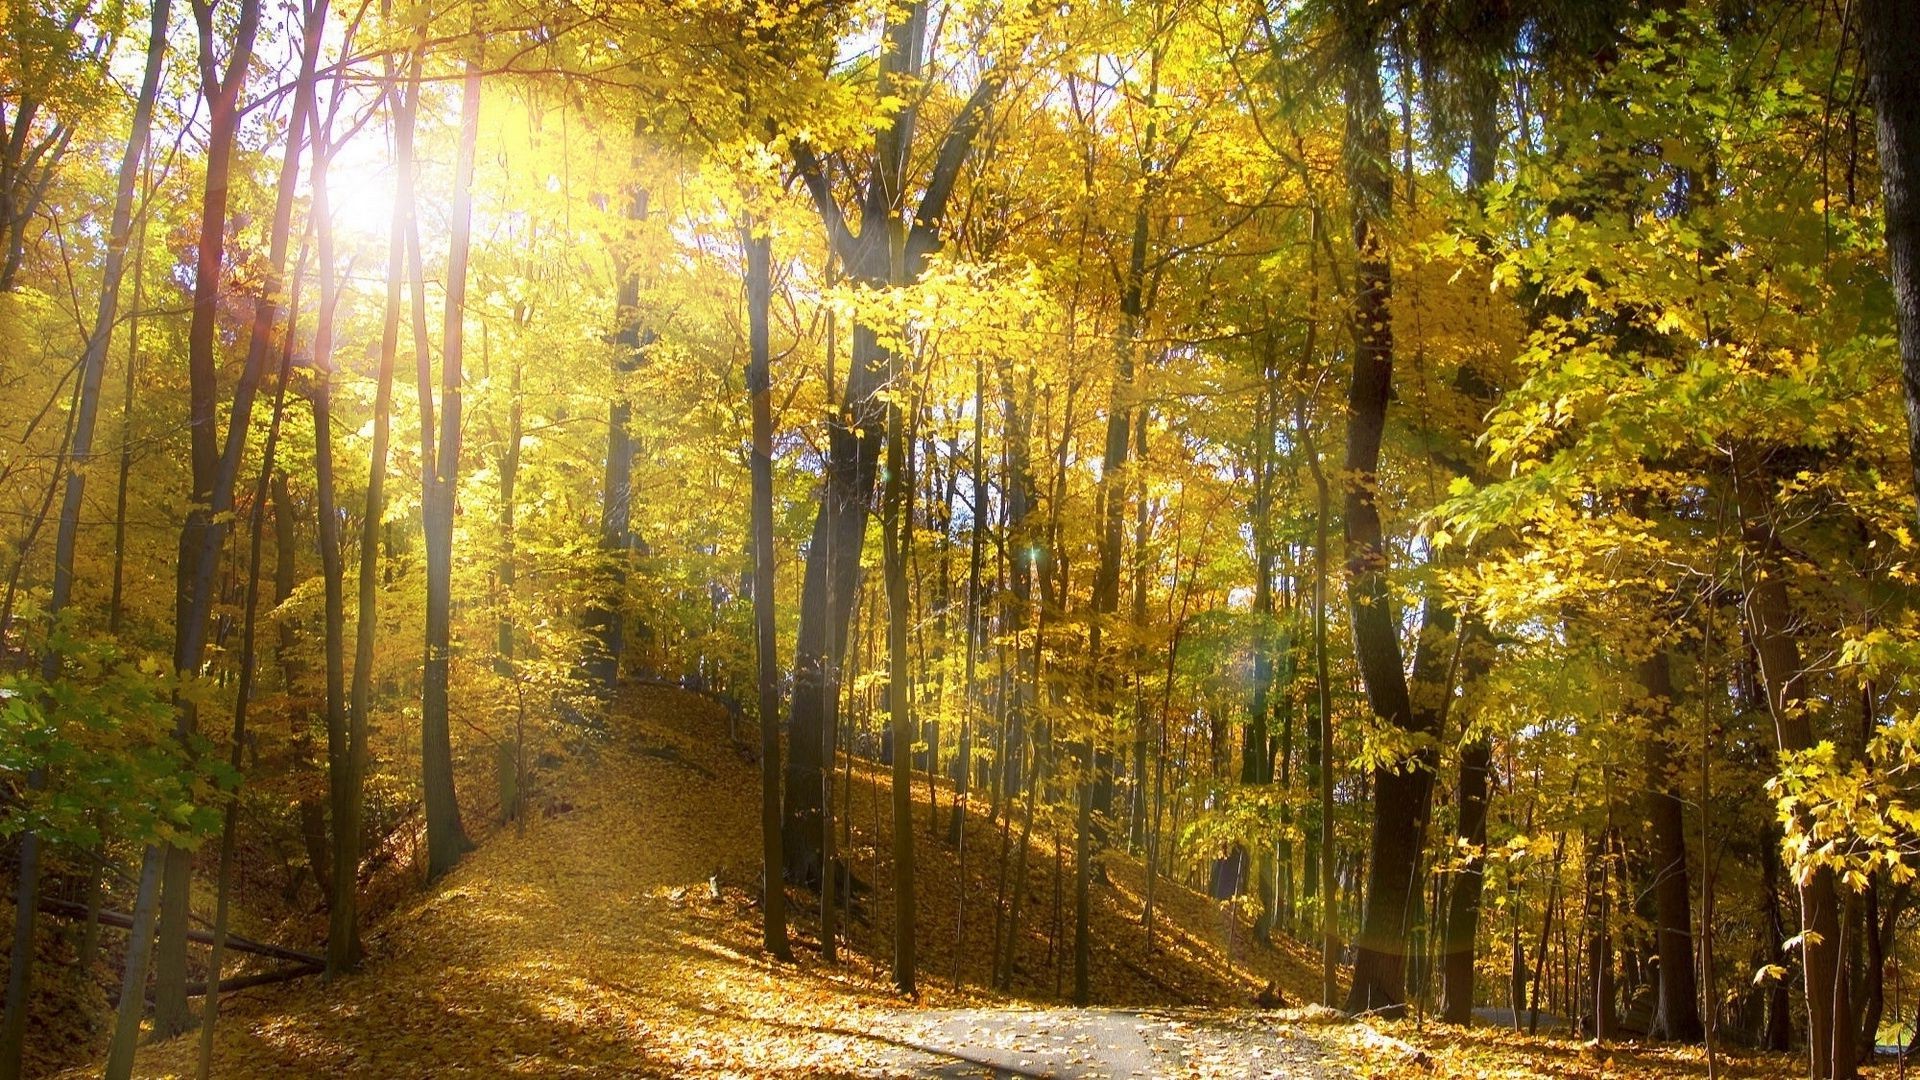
606,616
342,784
1778,1035
214,468
854,433
1257,743
1770,619
343,945
116,603
1462,931
243,693
963,777
446,838
1676,1012
1889,41
1401,791
760,389
1600,940
897,526
1323,708
312,811
80,454
133,981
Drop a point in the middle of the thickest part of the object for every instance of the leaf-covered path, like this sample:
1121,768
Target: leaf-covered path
1102,1043
591,945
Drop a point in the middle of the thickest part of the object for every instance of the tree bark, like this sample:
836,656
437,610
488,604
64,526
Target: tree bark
343,946
1770,619
214,468
79,455
760,392
897,525
606,615
1401,791
243,693
1676,1013
342,784
1889,41
1323,709
854,434
1461,935
446,838
133,981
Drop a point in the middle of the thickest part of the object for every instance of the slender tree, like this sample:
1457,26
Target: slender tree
760,392
1401,789
214,467
855,433
1889,40
446,838
79,457
342,915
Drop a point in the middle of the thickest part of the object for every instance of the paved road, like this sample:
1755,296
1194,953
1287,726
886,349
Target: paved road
1101,1043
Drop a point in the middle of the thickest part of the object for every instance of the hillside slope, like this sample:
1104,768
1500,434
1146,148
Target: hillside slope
591,944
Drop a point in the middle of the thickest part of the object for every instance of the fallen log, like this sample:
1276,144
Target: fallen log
260,978
67,909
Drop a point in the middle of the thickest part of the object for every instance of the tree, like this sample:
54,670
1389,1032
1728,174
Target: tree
875,257
80,453
343,922
1402,789
759,388
446,838
1889,35
214,467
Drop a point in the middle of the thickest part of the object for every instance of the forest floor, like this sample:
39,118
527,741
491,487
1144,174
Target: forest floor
617,934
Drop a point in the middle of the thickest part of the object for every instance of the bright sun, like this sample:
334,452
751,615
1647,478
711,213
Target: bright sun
360,182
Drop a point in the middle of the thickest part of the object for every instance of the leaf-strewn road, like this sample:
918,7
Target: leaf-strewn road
1101,1043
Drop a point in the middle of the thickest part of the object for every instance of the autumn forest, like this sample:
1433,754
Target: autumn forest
878,537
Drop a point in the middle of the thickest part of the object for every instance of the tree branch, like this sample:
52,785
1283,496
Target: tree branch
813,174
924,239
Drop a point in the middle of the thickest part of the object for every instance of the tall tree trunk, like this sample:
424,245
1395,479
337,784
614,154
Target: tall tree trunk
1889,41
1600,939
1402,790
963,779
312,810
1677,1007
446,838
897,525
1778,1034
1770,619
214,467
1257,745
854,434
133,980
116,603
342,784
1018,405
80,454
828,736
1460,937
606,616
1112,509
760,391
243,693
343,946
1461,934
1323,708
